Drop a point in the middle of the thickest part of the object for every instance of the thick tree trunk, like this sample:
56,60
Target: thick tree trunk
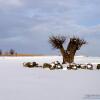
69,57
63,54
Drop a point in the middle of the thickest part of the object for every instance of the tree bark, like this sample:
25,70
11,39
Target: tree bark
63,54
69,57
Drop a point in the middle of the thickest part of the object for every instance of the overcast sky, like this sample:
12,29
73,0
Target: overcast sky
26,24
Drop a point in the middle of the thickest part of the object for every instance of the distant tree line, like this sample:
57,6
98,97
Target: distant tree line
11,52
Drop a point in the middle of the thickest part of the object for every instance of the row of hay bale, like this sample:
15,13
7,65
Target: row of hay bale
88,66
80,66
57,65
51,66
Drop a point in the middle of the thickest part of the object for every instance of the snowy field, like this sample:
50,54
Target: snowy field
20,83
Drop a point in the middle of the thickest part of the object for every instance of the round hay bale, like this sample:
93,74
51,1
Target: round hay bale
72,66
46,65
28,64
98,66
35,64
83,66
90,66
59,66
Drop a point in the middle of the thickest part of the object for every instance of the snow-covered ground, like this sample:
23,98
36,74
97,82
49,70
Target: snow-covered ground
20,83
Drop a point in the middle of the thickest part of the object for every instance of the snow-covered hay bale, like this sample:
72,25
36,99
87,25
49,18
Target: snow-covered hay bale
90,66
83,66
72,66
98,66
46,65
30,64
53,65
56,65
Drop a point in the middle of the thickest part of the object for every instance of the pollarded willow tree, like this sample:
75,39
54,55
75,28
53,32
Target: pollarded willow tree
75,43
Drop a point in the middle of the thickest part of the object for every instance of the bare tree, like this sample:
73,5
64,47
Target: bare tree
74,44
12,52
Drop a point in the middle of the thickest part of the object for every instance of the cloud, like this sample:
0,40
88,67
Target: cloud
28,23
9,4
